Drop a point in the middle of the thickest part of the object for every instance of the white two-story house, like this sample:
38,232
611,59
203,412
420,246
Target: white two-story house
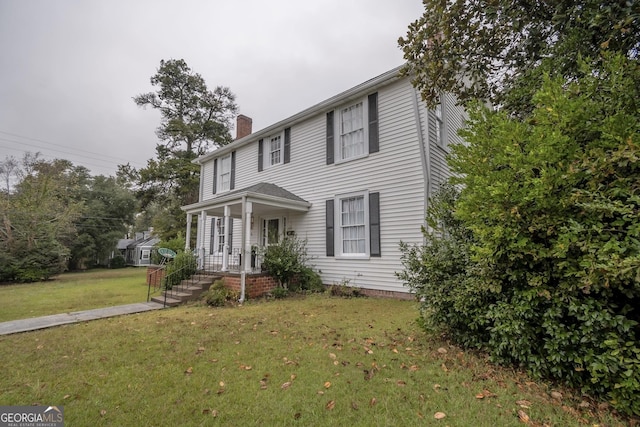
352,175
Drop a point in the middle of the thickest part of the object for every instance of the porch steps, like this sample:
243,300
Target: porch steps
188,290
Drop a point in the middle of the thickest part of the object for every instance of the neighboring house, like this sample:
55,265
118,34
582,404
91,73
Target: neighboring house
351,175
137,251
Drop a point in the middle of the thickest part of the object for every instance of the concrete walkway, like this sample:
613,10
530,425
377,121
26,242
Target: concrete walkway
35,323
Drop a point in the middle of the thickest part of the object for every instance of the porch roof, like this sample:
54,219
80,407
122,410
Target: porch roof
263,194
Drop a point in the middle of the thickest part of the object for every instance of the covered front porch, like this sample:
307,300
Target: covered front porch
264,212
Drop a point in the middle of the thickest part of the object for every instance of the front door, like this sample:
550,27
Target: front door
271,230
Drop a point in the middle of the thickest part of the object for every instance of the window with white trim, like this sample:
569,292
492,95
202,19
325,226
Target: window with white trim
351,131
224,173
220,235
353,223
275,150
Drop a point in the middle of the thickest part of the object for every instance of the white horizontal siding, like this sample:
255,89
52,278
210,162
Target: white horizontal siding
396,172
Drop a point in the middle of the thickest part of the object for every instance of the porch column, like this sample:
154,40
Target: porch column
246,244
202,224
188,236
225,249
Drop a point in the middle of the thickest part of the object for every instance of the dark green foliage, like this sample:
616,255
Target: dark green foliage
499,46
182,267
219,296
308,280
286,259
117,262
441,274
550,280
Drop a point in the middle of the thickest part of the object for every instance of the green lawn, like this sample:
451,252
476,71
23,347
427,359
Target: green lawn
312,361
73,292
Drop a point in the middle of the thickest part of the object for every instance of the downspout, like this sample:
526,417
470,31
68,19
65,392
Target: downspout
243,274
425,155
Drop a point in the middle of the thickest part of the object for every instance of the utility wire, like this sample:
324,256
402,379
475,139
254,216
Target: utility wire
102,155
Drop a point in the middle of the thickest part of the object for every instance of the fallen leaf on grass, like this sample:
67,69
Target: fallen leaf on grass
221,383
200,350
439,415
354,406
442,350
556,395
66,396
523,403
485,393
103,412
373,401
297,416
286,385
332,356
523,416
327,384
330,405
401,383
189,370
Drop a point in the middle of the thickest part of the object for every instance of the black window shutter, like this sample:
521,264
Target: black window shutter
212,237
287,145
232,184
330,228
330,137
230,234
374,144
260,150
215,176
374,224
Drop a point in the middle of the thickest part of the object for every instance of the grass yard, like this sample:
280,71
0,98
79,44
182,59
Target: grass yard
312,361
70,292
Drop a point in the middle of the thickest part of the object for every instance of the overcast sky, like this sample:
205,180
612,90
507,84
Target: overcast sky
69,68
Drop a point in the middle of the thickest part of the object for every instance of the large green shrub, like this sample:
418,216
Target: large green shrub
440,274
551,279
218,295
286,259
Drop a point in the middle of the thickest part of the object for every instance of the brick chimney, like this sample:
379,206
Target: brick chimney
243,126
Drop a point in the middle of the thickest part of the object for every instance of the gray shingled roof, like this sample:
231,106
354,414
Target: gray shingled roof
267,189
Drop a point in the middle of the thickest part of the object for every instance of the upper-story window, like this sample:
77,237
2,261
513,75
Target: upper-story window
352,130
224,173
274,149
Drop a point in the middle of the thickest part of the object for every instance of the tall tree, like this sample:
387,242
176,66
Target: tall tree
108,212
485,49
37,221
193,119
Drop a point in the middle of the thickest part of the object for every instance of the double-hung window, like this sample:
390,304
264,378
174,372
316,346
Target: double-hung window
351,142
352,130
353,225
224,174
275,150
